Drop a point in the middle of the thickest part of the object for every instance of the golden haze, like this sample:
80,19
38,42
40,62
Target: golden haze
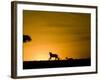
63,33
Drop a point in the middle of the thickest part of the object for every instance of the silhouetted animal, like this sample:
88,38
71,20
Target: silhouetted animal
66,58
53,56
26,38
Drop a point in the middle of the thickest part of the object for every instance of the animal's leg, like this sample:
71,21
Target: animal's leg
50,58
58,58
55,58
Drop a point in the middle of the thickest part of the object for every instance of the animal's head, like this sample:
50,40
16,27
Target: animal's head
50,52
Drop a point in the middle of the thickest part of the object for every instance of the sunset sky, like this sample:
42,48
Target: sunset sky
63,33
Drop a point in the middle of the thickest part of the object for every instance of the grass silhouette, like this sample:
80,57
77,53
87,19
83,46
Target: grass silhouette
56,63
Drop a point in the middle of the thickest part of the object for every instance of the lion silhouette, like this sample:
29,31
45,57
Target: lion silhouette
53,56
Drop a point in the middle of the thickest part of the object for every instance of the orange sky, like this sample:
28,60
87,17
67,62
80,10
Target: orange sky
66,34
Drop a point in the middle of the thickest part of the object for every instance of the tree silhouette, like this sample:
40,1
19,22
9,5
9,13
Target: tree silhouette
26,38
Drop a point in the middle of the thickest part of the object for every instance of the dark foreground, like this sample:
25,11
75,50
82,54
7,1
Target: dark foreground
56,63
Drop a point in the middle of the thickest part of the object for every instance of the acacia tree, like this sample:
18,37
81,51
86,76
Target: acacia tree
26,38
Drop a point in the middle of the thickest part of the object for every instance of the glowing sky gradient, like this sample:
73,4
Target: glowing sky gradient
63,33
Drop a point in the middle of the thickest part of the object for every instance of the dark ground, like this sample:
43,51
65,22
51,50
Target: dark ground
56,63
